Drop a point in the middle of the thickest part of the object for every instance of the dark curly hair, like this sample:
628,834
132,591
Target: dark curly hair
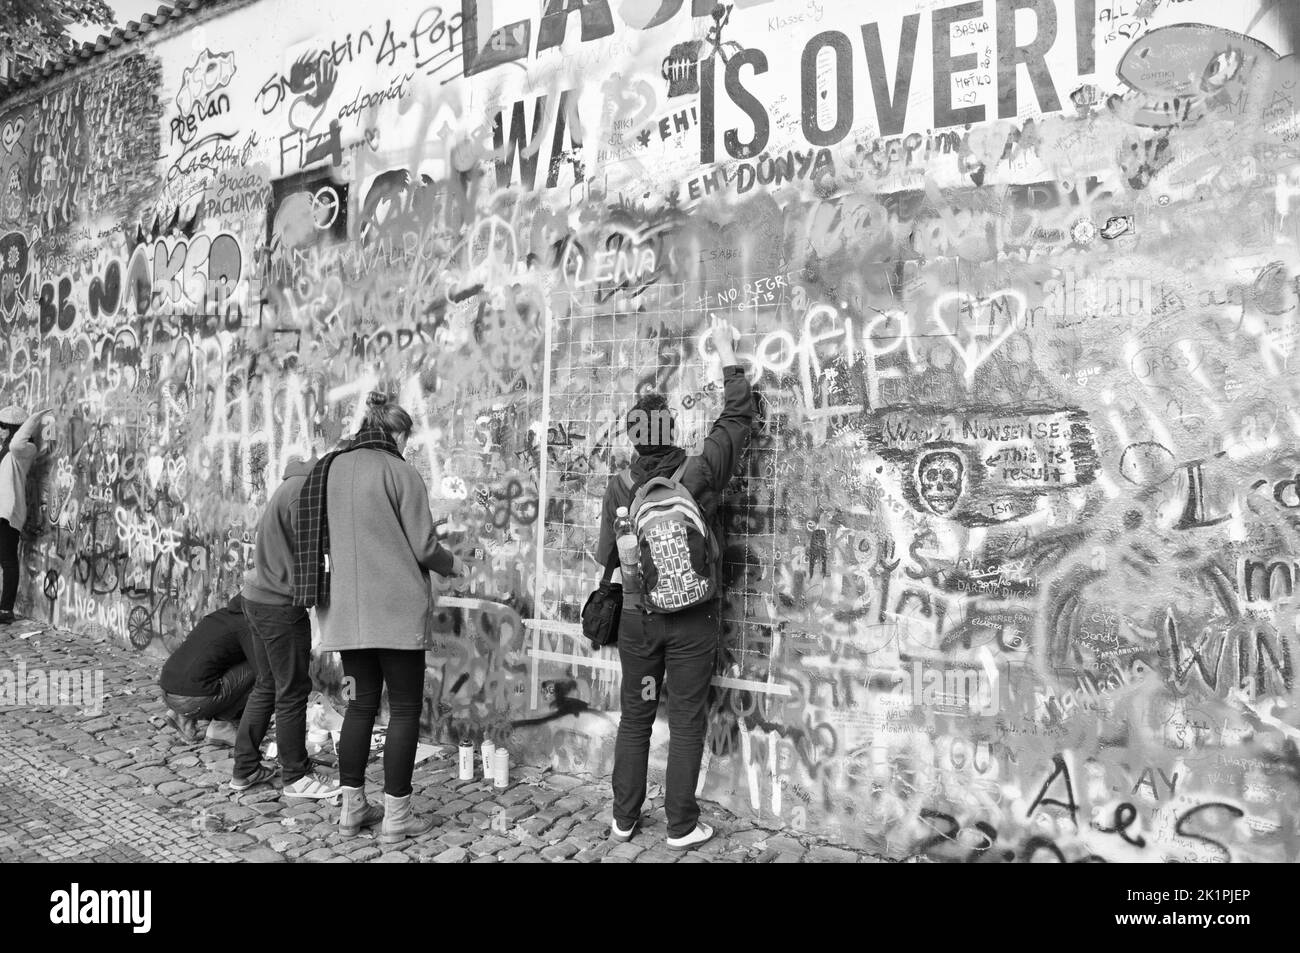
650,423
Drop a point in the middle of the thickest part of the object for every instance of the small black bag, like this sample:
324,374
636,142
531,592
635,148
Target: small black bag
604,606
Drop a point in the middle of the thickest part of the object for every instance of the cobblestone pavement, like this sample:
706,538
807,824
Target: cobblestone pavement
118,785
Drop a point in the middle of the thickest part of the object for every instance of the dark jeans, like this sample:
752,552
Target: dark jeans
370,669
9,538
281,656
685,645
226,705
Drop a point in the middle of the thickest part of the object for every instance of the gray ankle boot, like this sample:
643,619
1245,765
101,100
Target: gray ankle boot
399,822
357,812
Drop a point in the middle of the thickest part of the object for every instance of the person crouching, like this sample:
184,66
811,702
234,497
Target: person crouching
210,676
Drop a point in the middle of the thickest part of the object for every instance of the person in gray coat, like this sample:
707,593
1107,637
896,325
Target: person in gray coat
382,546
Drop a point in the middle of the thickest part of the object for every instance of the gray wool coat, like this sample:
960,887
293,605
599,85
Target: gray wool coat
382,546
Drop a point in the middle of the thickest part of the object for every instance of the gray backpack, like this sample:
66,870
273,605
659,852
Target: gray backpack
679,552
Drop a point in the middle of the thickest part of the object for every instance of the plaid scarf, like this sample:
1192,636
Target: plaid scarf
311,568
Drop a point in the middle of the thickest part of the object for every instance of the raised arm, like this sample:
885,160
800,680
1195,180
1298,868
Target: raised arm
22,445
729,436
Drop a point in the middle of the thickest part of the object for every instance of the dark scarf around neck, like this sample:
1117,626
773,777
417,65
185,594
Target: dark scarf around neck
656,461
374,438
311,566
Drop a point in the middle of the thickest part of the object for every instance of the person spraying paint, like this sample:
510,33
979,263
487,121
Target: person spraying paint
19,444
671,619
378,546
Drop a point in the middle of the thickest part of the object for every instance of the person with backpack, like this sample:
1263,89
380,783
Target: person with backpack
671,619
367,544
19,444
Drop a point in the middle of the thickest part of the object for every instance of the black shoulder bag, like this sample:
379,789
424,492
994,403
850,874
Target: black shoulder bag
604,606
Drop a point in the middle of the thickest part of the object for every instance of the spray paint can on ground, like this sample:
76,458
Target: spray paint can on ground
501,767
489,752
467,760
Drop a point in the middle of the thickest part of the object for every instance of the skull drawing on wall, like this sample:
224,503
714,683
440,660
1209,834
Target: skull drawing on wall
939,475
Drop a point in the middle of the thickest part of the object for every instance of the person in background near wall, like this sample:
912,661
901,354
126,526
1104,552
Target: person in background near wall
281,652
381,545
19,436
210,676
684,643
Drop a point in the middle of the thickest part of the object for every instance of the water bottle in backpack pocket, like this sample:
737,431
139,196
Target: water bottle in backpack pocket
626,543
679,552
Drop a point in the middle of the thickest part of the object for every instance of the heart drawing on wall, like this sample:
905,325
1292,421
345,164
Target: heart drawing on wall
990,320
11,132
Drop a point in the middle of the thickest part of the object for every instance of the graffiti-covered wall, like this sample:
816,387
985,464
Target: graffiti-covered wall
1012,559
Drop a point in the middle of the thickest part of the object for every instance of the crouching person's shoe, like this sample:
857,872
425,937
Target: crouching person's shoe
222,733
185,726
399,822
357,812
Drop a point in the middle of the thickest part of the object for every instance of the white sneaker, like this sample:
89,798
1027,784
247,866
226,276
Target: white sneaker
222,733
313,786
617,833
702,833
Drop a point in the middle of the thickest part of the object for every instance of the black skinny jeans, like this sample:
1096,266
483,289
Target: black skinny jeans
402,670
282,657
9,539
683,645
